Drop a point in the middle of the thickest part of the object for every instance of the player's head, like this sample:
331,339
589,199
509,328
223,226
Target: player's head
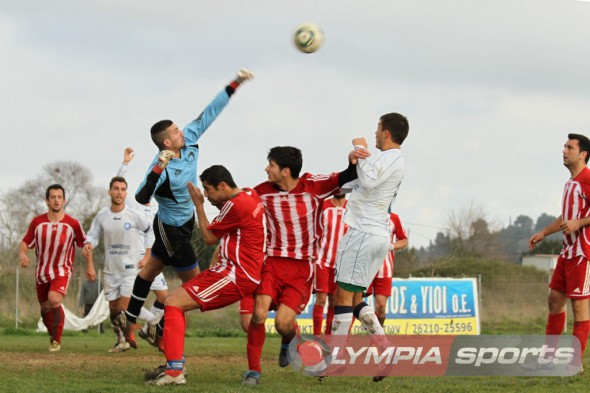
117,179
55,197
55,187
340,196
395,125
167,136
577,147
218,184
282,159
118,190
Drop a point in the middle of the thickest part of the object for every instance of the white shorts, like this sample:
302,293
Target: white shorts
159,283
117,286
359,257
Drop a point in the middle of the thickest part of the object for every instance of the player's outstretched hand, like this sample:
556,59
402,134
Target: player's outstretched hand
164,158
128,155
360,142
196,194
244,75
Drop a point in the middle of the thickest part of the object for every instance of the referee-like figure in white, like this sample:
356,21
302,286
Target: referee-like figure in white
363,248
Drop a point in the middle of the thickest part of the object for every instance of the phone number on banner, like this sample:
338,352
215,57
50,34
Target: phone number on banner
442,326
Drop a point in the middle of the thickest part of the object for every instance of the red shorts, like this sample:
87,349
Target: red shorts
380,286
287,281
214,290
247,305
571,277
323,281
58,284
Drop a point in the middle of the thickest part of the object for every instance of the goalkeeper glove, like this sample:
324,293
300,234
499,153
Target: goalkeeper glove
243,75
164,158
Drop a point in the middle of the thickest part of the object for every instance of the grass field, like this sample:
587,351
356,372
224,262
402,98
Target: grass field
214,364
513,302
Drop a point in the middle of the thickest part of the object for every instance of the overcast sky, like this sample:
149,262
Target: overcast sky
490,87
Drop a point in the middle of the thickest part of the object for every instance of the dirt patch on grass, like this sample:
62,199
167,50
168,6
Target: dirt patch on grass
75,361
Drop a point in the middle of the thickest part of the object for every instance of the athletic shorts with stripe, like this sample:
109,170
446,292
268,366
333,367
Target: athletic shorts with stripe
360,255
247,305
172,244
380,286
572,276
323,280
213,290
287,281
58,284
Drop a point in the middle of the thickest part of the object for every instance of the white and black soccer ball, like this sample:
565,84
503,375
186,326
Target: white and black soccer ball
308,37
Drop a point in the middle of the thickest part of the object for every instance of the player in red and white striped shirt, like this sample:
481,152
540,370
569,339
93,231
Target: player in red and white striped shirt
292,204
381,285
239,228
571,278
53,235
332,228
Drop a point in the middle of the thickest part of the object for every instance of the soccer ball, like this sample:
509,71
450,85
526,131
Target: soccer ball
308,37
310,352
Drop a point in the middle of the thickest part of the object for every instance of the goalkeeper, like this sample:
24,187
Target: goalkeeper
170,172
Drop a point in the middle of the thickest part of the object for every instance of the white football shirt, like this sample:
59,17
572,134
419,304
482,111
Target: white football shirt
123,234
374,192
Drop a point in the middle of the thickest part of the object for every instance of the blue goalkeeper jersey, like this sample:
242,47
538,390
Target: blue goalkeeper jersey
175,206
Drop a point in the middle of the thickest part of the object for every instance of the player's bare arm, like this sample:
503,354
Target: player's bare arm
400,244
90,272
23,255
555,226
199,200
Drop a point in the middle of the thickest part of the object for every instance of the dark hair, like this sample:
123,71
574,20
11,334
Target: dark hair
216,174
397,125
158,132
117,179
584,143
287,157
54,187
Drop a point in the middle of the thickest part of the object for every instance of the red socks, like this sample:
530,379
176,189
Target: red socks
58,318
54,322
318,318
256,338
48,322
581,329
555,324
173,338
329,319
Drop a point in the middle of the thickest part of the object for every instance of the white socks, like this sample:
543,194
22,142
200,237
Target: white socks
369,320
342,322
146,315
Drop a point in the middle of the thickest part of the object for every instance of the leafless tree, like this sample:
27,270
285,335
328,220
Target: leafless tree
472,233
